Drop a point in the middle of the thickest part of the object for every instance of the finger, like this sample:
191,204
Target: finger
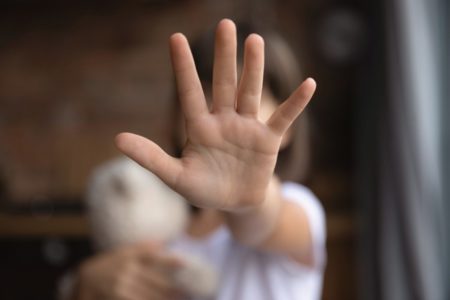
145,248
154,254
290,109
153,283
158,281
150,156
161,260
250,87
189,87
134,288
224,73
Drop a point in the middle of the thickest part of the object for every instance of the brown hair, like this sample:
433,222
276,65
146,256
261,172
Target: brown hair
281,77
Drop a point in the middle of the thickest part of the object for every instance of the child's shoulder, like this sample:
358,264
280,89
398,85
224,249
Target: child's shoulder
304,197
298,193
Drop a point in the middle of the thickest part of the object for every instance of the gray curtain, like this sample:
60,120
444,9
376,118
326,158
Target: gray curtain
405,190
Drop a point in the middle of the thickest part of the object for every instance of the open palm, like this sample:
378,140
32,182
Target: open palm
230,156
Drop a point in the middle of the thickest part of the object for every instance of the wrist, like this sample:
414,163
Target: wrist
252,226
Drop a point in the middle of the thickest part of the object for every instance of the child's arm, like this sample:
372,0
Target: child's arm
229,158
277,225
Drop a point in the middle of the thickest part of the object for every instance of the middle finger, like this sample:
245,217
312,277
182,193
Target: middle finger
224,72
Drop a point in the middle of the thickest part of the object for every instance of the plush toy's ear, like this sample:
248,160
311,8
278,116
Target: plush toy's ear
119,187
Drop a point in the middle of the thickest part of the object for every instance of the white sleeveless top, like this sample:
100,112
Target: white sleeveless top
247,274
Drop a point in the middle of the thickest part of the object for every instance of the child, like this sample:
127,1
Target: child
266,238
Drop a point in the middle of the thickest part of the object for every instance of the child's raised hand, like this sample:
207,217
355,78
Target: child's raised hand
229,156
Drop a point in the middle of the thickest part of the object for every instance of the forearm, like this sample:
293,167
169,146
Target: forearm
276,225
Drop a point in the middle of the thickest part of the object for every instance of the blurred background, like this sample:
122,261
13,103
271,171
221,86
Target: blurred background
75,73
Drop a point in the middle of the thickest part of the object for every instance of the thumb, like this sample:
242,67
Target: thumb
150,156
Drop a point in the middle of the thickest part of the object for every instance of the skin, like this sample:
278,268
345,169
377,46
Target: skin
230,153
130,273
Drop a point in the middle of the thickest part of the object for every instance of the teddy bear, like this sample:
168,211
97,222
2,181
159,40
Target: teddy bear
127,204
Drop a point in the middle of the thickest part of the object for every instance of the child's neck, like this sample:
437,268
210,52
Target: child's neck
204,223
